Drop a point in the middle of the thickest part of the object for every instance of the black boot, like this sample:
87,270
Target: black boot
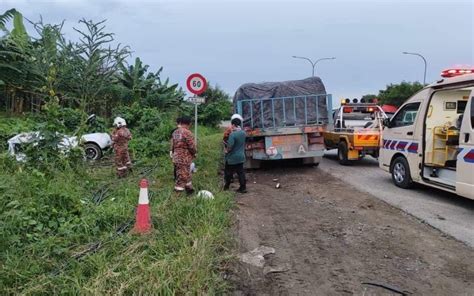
241,190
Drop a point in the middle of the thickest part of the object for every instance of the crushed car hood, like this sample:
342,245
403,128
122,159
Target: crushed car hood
67,142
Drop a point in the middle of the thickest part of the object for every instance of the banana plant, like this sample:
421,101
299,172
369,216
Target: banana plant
5,17
135,78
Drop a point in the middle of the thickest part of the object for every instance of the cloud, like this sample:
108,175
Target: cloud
233,42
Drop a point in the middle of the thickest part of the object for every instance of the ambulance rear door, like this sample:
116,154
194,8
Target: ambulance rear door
465,158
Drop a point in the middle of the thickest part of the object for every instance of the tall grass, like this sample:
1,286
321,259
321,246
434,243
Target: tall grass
57,239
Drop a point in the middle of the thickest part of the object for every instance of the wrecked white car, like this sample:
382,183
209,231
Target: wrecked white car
94,144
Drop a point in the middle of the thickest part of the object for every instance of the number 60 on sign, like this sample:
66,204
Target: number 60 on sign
196,83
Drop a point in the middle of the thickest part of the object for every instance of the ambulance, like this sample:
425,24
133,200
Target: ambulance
430,139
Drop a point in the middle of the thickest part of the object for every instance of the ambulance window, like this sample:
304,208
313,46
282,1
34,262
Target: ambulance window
461,107
406,116
472,112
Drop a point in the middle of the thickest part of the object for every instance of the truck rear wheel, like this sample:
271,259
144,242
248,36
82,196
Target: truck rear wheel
342,153
314,161
252,163
375,154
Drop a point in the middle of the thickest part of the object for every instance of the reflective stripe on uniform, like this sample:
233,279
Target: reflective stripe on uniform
122,168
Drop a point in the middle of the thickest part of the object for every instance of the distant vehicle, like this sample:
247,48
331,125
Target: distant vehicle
389,109
356,132
430,140
94,143
284,120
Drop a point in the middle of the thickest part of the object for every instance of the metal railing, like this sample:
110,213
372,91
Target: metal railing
281,106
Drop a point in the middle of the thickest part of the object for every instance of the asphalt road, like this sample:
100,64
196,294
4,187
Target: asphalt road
451,214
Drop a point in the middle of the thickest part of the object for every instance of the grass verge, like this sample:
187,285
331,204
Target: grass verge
68,231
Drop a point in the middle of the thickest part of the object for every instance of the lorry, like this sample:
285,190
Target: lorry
356,131
284,120
430,139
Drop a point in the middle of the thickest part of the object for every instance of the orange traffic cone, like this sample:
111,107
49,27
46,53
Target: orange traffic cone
143,219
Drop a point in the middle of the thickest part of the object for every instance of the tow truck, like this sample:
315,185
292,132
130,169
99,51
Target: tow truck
356,131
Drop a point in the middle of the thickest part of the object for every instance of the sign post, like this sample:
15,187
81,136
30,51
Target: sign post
196,84
195,119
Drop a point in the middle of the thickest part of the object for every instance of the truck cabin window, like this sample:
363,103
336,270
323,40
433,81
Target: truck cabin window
406,116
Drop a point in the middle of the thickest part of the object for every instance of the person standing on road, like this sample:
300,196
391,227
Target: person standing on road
235,157
227,133
120,138
184,151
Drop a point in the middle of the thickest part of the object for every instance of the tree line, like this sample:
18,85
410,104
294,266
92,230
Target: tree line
90,75
396,94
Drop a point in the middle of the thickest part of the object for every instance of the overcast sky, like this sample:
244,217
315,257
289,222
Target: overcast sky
234,42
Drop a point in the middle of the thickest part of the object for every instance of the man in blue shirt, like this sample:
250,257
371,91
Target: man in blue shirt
235,156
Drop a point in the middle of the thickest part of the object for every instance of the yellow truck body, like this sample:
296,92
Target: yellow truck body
354,142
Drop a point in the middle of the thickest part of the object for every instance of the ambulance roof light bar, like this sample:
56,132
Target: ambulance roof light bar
456,72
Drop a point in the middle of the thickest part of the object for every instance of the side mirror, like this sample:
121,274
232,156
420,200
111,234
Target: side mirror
387,123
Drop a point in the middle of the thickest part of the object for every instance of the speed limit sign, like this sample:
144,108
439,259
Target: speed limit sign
196,83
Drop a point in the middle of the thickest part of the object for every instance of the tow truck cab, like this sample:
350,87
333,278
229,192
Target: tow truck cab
430,139
356,132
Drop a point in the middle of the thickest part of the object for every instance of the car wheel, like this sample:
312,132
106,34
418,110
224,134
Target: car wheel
401,173
342,153
93,151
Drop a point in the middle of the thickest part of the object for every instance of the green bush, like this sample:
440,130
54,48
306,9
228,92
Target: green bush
151,130
11,126
217,107
132,114
70,118
212,114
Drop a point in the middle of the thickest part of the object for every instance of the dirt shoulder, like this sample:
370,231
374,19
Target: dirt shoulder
329,238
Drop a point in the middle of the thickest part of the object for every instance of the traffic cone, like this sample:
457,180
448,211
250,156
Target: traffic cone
143,219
